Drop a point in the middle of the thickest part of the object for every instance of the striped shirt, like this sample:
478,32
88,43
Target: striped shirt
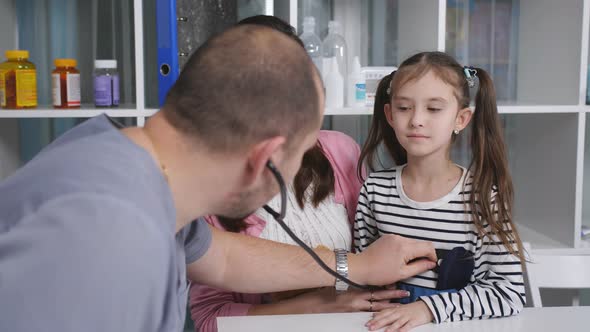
496,288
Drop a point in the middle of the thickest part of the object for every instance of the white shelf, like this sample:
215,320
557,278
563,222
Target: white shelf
562,252
540,109
539,241
502,109
123,111
349,111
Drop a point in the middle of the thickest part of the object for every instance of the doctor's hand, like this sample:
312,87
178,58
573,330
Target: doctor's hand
392,258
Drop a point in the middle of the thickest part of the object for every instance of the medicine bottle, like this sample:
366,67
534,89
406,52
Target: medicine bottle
106,83
20,80
65,80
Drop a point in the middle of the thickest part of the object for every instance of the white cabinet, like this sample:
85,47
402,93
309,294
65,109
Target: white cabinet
536,50
537,53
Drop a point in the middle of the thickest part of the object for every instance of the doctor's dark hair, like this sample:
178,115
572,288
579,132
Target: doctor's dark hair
316,170
274,23
491,203
247,84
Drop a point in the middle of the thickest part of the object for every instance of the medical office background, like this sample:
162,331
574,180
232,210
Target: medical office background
536,51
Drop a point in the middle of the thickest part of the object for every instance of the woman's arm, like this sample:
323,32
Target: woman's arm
207,303
325,300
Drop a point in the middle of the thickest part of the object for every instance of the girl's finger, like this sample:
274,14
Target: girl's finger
382,305
395,326
409,325
388,317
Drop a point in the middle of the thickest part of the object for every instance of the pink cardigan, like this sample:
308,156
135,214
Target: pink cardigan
207,303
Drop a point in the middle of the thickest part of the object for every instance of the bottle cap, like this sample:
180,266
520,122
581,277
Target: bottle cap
105,64
334,27
65,62
17,54
308,24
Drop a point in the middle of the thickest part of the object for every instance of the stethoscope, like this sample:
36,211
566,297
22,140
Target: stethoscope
279,218
455,269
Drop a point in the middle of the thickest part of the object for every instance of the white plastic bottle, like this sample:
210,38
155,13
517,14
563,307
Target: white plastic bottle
311,41
334,45
356,85
334,86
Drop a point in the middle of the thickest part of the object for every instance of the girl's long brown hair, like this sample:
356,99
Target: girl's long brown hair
315,170
492,197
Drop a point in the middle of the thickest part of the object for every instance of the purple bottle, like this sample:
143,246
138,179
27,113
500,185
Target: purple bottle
106,83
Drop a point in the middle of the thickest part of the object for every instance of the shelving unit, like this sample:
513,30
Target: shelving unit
502,109
545,112
124,111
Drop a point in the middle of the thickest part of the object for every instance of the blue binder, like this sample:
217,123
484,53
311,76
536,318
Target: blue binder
168,67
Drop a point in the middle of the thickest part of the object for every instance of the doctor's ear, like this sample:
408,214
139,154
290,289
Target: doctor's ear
259,157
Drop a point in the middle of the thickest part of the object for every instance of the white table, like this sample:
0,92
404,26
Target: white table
560,319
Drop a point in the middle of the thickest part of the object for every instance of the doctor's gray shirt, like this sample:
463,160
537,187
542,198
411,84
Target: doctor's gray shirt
87,239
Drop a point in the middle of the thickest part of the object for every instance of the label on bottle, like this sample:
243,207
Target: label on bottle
56,84
26,88
2,89
73,89
359,92
106,90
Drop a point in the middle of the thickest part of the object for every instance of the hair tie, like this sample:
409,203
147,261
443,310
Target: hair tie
470,75
388,91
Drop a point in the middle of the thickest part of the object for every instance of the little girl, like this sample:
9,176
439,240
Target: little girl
420,109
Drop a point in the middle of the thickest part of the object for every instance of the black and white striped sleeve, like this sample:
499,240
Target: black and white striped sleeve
365,226
496,288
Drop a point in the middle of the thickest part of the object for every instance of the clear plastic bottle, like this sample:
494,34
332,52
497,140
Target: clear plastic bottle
334,45
334,85
356,85
311,41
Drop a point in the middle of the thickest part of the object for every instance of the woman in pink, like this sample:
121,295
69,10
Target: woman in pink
322,203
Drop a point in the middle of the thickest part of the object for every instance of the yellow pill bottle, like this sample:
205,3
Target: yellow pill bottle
18,78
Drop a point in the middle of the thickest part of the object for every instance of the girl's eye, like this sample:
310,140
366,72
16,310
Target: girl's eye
403,108
433,109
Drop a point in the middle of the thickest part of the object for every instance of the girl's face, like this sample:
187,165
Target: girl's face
424,113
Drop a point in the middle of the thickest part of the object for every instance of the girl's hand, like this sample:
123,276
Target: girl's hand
325,300
402,318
